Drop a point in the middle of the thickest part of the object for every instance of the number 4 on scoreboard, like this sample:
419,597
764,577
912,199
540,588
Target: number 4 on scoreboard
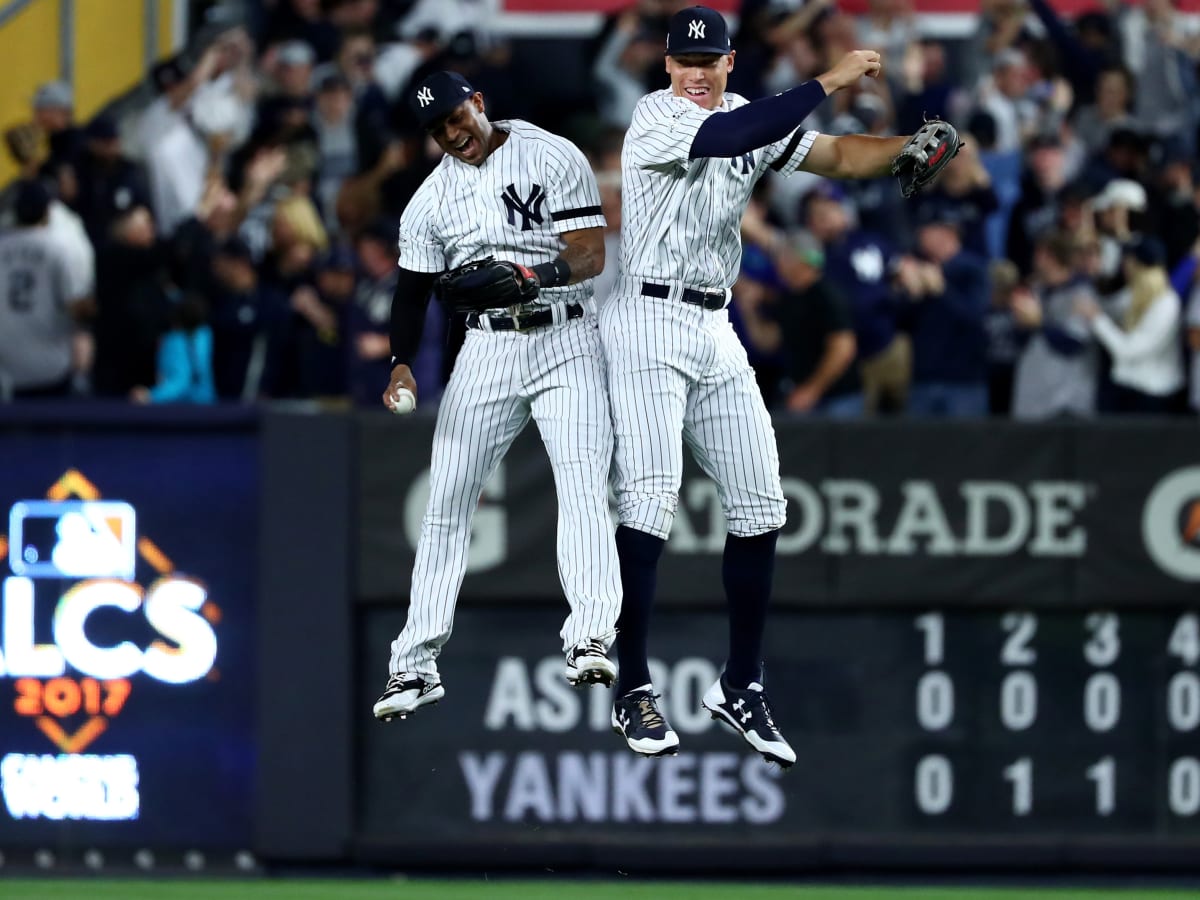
1185,639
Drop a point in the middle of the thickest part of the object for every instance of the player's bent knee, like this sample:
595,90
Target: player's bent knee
759,520
651,514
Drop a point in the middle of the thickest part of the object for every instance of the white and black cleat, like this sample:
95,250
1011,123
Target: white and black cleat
588,663
405,694
637,718
747,712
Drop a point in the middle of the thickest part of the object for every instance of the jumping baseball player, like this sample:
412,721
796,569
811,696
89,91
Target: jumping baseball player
676,368
513,212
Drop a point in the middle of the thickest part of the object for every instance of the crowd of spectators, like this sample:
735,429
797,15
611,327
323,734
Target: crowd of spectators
235,239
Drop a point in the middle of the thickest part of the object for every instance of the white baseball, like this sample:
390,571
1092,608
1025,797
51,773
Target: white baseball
404,401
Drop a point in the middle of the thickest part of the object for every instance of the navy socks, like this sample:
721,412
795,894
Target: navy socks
747,570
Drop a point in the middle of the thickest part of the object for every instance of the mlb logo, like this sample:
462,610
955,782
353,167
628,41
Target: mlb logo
72,539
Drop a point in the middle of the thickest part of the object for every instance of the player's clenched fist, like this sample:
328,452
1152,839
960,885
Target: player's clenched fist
851,67
394,397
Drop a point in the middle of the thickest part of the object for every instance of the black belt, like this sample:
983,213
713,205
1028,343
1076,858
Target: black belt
524,321
707,299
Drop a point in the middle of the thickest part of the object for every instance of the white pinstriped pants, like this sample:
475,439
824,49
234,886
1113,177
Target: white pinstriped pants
556,376
678,373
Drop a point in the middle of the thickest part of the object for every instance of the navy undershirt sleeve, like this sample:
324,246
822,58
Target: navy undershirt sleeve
408,313
756,124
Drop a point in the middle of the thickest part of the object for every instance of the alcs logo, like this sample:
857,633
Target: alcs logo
74,535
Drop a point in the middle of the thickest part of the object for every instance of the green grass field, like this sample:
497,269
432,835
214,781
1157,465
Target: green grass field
401,889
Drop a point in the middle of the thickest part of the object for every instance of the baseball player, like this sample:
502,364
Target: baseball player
505,189
677,370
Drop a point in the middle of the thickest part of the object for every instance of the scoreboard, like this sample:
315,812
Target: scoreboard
925,735
1080,723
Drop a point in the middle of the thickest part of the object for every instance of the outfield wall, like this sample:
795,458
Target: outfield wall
985,647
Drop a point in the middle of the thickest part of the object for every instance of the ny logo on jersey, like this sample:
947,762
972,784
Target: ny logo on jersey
424,97
747,161
529,209
696,29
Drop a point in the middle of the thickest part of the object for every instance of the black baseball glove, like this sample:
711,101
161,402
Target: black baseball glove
925,155
486,284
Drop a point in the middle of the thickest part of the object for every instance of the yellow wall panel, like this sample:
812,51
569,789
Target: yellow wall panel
166,27
109,51
29,50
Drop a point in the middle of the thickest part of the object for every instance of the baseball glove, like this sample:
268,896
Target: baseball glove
486,284
925,155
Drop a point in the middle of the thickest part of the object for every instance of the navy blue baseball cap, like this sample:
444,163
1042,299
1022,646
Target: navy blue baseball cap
438,96
697,29
32,201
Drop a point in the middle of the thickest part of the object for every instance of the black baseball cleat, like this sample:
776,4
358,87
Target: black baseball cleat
747,712
406,693
588,663
636,717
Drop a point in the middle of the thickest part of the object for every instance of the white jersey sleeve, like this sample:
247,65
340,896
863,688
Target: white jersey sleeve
420,249
572,194
787,155
663,128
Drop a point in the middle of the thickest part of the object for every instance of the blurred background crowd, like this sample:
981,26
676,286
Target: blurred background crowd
232,238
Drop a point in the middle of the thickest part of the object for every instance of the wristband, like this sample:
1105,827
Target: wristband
553,273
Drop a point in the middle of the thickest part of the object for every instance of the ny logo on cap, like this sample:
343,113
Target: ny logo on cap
696,29
424,96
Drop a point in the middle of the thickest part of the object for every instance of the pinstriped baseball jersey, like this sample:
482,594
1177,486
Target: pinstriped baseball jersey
532,188
681,218
514,206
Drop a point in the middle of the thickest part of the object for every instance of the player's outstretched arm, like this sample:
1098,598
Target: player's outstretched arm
771,119
852,155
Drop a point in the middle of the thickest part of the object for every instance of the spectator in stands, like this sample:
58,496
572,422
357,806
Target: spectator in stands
817,331
948,294
1147,368
39,313
1112,109
857,264
1117,212
337,144
1161,48
925,89
355,62
1042,186
176,155
1003,341
1057,372
248,325
753,313
1001,23
966,188
622,67
132,303
1178,222
1005,94
302,20
321,343
290,68
370,316
54,116
110,184
889,27
1082,51
185,373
